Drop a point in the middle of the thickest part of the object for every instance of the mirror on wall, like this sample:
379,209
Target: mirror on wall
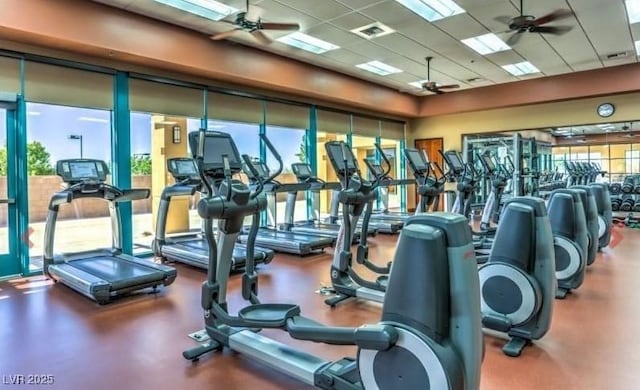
614,146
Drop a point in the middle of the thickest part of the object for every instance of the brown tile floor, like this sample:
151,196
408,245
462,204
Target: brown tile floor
137,342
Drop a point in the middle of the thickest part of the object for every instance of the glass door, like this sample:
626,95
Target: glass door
9,259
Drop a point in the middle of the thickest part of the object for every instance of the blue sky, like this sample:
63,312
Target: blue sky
52,125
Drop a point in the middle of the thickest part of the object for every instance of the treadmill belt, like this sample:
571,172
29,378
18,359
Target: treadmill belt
239,251
120,273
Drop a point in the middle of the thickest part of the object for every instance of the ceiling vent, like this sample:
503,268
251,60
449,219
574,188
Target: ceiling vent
474,80
373,30
616,56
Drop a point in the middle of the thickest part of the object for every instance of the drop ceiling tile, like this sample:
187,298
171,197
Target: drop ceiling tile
276,12
323,10
333,34
346,56
391,13
350,21
358,4
370,50
607,38
461,26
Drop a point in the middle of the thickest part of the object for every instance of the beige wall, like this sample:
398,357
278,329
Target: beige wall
573,112
42,187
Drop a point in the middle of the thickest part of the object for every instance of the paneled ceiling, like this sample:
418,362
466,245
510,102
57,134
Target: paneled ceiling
600,29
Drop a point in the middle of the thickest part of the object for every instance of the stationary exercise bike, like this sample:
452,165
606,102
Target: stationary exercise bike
429,336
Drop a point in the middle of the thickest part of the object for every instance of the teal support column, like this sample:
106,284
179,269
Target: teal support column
263,152
20,188
403,175
121,153
312,152
204,121
350,131
378,160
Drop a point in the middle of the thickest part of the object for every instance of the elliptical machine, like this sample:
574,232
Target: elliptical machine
428,185
518,281
569,226
345,281
588,197
429,336
605,217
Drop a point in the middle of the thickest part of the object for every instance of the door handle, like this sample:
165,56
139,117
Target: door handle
7,201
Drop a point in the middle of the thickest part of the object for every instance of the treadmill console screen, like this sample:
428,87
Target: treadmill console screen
83,170
336,156
301,170
416,160
182,167
77,170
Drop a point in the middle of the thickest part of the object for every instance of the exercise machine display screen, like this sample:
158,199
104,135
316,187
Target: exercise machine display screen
301,170
83,170
488,162
456,162
185,167
416,159
216,147
336,155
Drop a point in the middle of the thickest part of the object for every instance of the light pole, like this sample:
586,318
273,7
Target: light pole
79,138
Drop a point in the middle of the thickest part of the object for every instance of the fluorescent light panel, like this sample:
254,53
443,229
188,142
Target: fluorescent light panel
637,47
378,67
307,42
633,10
521,68
486,44
433,10
209,9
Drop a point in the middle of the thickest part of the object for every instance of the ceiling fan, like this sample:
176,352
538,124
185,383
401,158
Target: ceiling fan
250,21
432,86
528,23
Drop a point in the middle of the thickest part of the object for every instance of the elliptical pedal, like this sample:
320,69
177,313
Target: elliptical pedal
515,346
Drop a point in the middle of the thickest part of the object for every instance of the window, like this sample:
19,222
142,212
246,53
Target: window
68,116
632,159
158,111
55,133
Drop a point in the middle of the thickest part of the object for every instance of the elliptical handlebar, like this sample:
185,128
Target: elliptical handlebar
199,157
274,153
260,186
386,160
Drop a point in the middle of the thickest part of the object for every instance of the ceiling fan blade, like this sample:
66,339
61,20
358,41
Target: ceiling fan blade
502,19
280,26
514,38
552,16
261,37
448,86
556,30
225,34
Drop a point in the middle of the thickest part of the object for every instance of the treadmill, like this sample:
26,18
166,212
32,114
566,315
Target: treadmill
192,248
280,240
386,181
100,274
315,225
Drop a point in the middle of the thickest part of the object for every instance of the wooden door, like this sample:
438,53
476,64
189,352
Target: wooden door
431,146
